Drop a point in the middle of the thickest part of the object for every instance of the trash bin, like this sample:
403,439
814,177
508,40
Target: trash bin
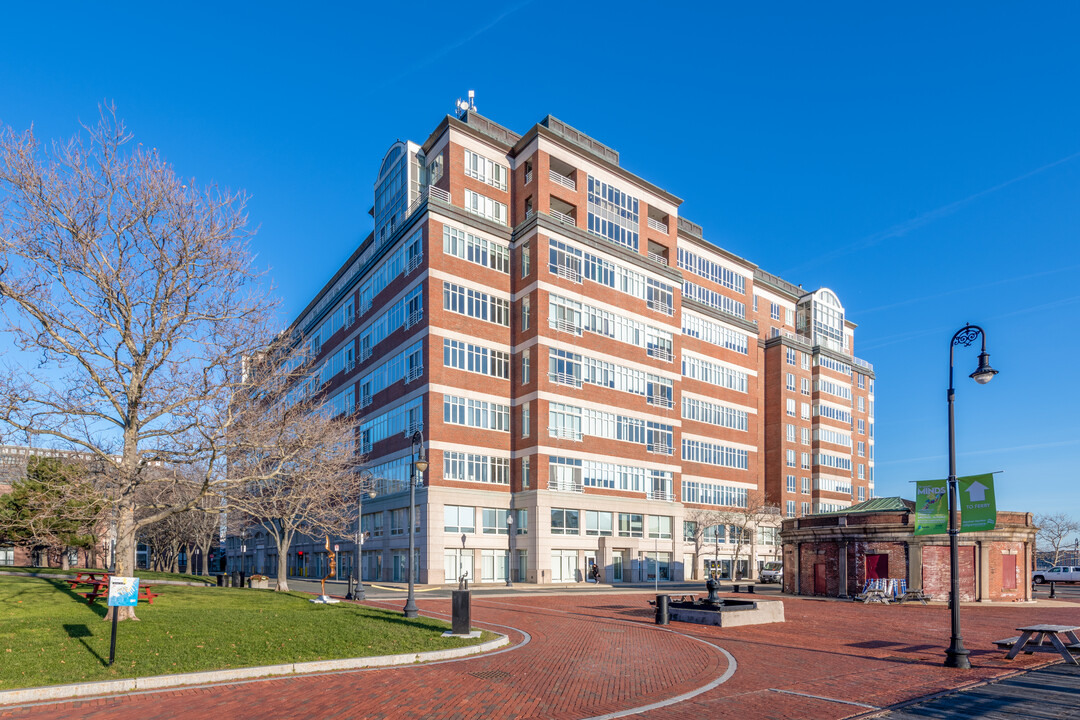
221,579
662,609
241,579
235,577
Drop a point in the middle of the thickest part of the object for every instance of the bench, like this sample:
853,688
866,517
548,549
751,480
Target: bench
1044,639
915,595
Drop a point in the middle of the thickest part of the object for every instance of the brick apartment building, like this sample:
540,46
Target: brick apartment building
577,357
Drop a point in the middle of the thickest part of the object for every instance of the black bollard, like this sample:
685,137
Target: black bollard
1052,593
462,612
235,577
662,609
750,588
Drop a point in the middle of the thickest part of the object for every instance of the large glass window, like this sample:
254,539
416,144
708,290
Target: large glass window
598,523
459,519
631,525
564,522
613,214
495,521
660,527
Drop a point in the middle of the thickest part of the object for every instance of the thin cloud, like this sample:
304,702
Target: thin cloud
992,451
901,229
439,54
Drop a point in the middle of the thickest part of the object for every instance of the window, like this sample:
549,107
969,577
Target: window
495,521
459,519
790,407
631,525
712,271
714,333
660,527
476,304
790,508
714,454
791,484
476,249
862,494
790,356
484,170
564,367
804,411
804,385
791,433
805,461
791,382
564,522
805,486
485,207
704,493
804,509
862,427
598,523
707,412
525,368
805,434
399,521
790,457
862,404
860,380
476,413
613,215
470,467
475,358
525,470
862,471
525,260
521,521
721,375
525,429
435,169
862,449
774,311
525,308
789,317
373,524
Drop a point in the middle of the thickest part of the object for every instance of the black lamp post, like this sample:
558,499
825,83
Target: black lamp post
416,472
957,656
509,547
357,576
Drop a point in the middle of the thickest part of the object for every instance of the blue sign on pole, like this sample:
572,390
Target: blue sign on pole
123,591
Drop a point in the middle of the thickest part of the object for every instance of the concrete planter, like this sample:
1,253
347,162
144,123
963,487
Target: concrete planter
259,582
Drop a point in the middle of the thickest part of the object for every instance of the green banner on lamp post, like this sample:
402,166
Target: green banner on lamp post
931,507
978,506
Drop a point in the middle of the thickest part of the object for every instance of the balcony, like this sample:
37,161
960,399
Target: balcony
414,373
560,179
665,495
660,306
659,448
561,217
365,400
863,364
661,353
656,258
413,428
564,433
528,177
439,194
563,325
565,486
365,447
660,401
565,379
414,317
567,272
657,225
365,353
412,262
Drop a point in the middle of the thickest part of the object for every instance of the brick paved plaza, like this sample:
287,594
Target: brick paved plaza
600,655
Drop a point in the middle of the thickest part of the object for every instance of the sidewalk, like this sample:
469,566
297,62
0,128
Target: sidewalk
599,655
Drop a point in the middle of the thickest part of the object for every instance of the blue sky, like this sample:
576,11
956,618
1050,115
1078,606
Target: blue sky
922,161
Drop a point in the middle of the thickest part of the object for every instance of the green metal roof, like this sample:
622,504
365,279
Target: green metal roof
881,504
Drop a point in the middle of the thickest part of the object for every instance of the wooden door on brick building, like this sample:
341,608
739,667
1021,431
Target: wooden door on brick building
821,582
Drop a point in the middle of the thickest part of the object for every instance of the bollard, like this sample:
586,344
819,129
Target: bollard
1052,593
735,588
750,588
662,609
221,579
462,612
235,578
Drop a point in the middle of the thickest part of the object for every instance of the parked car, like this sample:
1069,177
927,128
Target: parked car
772,572
1059,573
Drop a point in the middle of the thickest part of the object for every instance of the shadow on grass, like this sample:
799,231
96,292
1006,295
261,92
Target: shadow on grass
79,632
65,587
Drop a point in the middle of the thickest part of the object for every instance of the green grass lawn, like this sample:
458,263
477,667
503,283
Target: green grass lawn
49,636
145,574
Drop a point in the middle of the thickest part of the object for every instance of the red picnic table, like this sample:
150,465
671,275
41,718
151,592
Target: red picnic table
95,584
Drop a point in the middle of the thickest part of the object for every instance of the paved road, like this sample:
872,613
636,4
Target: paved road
597,654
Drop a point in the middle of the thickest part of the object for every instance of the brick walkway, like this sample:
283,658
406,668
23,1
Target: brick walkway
595,655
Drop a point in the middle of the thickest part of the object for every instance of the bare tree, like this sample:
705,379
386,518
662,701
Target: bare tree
132,297
743,522
1053,531
293,463
699,520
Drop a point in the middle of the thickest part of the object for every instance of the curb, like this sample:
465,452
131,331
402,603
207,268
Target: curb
159,682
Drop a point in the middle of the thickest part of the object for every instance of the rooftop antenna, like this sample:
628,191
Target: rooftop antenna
463,106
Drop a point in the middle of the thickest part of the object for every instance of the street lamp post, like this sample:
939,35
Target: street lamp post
357,576
509,547
957,656
416,472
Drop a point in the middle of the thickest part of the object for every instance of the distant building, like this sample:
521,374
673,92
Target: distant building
577,357
836,553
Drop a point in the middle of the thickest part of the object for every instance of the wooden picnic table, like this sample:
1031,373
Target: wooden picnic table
94,585
1024,643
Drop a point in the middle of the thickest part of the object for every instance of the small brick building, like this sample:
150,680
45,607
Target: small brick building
833,554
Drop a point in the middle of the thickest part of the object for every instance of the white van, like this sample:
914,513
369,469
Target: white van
772,572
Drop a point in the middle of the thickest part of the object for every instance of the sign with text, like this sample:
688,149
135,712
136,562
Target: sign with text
123,591
931,507
978,507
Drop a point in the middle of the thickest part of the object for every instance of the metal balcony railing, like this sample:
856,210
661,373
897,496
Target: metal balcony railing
564,433
564,325
560,179
660,352
568,273
565,379
565,486
562,217
439,194
657,225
